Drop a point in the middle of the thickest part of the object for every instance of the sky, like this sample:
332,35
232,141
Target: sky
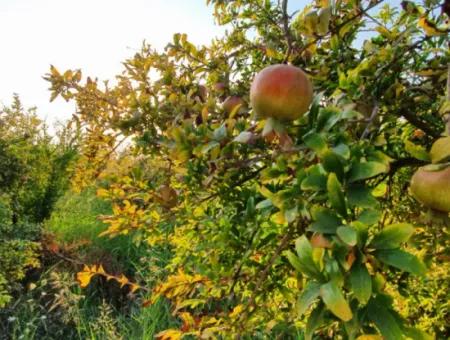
93,35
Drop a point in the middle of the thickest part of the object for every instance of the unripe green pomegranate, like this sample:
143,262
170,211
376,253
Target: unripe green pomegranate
281,91
432,188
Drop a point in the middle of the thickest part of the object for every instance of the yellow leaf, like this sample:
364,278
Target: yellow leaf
84,277
429,28
265,192
169,334
279,218
236,311
123,280
154,214
384,32
134,287
172,97
54,71
429,72
271,54
205,114
188,320
199,211
102,193
323,3
100,270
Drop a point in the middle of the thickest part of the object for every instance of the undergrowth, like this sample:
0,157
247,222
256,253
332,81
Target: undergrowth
51,305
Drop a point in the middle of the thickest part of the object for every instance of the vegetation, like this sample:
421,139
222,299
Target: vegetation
263,186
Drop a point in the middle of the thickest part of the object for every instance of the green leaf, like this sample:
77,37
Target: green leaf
291,214
348,235
315,179
417,151
316,142
334,300
366,170
244,137
384,320
326,221
335,194
294,261
363,233
343,150
380,157
332,163
402,260
361,283
360,196
369,216
250,207
417,334
220,133
315,320
264,204
392,236
310,293
211,145
378,283
305,257
328,117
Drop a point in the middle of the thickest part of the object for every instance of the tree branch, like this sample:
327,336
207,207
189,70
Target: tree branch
287,33
371,119
242,181
414,120
263,275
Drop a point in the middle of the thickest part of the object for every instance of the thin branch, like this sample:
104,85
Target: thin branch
242,181
338,27
287,33
371,119
404,162
237,273
414,120
263,275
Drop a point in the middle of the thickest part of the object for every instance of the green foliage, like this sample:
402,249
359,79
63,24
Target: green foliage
35,168
74,220
271,216
33,173
16,257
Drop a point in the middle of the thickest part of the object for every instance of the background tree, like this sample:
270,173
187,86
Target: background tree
34,171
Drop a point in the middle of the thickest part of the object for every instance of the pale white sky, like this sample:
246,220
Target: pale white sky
94,35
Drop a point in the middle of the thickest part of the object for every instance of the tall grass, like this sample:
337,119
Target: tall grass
56,307
75,220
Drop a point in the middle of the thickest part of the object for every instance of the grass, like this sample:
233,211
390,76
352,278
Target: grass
57,308
74,220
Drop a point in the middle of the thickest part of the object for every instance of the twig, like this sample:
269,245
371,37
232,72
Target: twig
239,268
287,32
338,27
242,181
414,120
283,244
371,119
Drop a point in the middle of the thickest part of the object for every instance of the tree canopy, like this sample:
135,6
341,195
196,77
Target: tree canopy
278,226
